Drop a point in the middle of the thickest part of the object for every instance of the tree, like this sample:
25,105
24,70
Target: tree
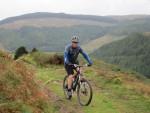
19,52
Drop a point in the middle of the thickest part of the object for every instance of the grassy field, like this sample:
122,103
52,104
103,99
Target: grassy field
115,90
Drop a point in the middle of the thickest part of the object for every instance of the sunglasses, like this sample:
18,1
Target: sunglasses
75,42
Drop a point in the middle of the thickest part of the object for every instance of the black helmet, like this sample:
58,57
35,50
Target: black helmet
75,39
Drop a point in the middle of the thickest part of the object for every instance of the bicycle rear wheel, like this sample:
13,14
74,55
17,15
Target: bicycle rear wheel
84,93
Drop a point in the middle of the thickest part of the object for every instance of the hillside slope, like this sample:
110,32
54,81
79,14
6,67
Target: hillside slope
115,90
131,52
48,39
20,92
52,31
99,42
28,87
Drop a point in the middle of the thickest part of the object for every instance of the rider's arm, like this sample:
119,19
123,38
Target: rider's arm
66,56
85,55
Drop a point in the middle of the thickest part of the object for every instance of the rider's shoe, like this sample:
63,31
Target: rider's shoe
69,94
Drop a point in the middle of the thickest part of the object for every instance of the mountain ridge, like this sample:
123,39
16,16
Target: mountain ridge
111,18
62,15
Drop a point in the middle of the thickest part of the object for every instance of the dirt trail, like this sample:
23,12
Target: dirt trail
61,104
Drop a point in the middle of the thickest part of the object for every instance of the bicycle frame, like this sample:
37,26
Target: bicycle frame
76,81
77,76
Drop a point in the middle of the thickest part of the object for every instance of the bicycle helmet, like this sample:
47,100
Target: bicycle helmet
75,39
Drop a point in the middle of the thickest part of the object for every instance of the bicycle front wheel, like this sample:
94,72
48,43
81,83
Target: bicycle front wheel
84,93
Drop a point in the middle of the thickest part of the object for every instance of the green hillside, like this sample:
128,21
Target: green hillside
99,42
131,52
29,87
52,31
48,39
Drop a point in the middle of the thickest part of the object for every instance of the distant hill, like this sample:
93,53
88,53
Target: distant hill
48,39
131,52
52,31
57,15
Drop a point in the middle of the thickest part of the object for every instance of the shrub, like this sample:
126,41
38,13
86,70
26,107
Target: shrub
19,52
34,50
44,59
56,59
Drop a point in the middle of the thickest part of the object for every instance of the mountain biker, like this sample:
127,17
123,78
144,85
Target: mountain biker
70,57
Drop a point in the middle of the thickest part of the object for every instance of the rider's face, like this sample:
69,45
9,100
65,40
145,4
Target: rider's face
74,44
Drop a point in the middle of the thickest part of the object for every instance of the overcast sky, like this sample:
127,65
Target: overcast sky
10,8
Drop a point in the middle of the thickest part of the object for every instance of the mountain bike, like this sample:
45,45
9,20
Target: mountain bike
80,85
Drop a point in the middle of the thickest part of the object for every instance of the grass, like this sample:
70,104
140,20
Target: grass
110,95
19,90
115,91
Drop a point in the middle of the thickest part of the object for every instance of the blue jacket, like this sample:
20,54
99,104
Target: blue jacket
71,55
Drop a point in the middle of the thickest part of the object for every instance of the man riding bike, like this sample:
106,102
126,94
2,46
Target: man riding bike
70,57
